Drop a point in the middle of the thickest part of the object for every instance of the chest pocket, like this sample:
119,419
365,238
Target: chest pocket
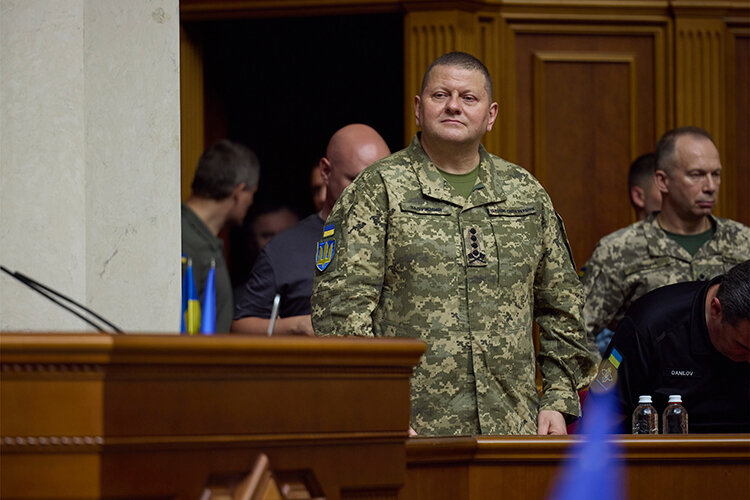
518,236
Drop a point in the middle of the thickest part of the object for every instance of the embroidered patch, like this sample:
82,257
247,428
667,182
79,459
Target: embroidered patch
325,253
328,231
475,252
615,358
607,377
511,212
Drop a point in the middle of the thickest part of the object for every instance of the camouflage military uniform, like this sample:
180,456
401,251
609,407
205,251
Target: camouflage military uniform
413,258
641,257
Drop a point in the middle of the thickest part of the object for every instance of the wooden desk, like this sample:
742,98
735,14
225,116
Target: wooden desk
139,416
154,416
524,467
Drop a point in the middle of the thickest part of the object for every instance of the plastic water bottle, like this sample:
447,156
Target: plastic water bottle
675,418
645,418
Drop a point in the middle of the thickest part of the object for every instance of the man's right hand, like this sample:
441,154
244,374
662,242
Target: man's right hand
293,325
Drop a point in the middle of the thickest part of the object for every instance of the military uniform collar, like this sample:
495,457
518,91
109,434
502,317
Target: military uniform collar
660,244
486,190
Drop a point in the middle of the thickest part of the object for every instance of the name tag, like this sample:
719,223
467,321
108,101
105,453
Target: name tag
511,212
680,373
424,208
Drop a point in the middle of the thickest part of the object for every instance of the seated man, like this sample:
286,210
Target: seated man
285,265
691,339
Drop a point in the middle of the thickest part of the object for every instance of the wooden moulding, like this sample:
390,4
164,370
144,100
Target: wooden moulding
99,416
690,466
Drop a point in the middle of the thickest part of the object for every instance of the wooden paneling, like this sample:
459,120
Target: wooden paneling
192,116
586,105
736,172
139,416
525,467
700,77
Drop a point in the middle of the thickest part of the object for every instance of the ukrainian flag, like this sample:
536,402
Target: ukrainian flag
208,309
191,315
593,469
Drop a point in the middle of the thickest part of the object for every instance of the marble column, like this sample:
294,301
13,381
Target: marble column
90,161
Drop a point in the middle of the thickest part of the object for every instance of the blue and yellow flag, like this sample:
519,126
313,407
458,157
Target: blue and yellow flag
191,315
208,309
594,468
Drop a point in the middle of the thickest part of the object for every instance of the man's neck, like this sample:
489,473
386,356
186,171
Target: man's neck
213,213
673,223
452,158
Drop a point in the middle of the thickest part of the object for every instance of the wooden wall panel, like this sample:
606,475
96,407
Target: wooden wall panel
700,78
584,132
588,100
191,110
737,160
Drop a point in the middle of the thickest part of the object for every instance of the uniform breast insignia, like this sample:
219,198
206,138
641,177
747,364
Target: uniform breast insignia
325,253
475,253
607,376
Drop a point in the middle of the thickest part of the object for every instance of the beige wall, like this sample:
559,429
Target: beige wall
90,161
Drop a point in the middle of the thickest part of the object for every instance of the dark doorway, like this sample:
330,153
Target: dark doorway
282,86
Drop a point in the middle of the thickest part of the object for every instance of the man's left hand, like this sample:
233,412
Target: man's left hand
551,422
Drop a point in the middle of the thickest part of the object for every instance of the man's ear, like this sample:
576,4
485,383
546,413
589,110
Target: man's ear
638,196
715,310
417,104
660,179
493,116
325,170
238,189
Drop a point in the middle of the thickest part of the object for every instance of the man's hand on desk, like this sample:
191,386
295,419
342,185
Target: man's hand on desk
551,422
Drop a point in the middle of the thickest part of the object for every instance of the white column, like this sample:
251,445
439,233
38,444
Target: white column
90,161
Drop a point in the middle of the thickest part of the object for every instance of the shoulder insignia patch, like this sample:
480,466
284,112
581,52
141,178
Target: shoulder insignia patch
328,231
607,377
324,253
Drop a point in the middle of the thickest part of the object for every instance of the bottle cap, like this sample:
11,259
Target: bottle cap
675,398
645,399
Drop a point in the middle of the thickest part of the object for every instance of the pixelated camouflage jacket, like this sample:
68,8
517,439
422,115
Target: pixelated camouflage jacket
413,258
641,257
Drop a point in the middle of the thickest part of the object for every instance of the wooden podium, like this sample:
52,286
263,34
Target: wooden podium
159,416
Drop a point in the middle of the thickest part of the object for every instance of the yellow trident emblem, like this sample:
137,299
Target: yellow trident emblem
325,254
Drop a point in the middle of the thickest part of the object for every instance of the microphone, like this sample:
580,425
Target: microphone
50,294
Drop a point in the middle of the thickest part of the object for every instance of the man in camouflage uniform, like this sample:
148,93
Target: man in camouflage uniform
413,250
683,242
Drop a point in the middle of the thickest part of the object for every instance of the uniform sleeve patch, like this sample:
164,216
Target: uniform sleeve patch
607,377
615,358
328,231
324,253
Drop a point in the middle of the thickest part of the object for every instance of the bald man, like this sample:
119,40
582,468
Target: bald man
285,265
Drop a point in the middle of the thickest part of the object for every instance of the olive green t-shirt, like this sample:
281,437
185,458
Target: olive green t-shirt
692,242
463,183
